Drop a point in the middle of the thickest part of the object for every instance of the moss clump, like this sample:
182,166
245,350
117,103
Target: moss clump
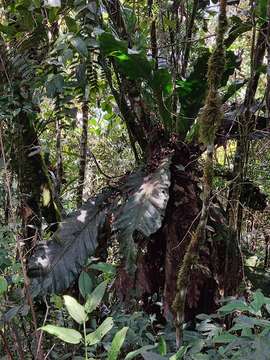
211,116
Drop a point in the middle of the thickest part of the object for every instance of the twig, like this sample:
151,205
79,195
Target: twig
26,280
6,347
41,332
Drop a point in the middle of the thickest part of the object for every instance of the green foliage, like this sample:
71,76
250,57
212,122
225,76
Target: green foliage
75,310
96,336
117,343
85,284
80,314
70,336
67,252
143,210
247,338
3,285
95,298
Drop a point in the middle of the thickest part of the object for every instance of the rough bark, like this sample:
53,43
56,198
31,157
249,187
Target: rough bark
59,159
83,153
34,182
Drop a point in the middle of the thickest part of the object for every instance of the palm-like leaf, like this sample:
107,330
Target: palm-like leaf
144,209
55,264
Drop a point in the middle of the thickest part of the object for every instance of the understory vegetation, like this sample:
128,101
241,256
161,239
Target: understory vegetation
134,190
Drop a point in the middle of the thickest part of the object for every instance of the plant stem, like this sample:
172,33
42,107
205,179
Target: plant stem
85,345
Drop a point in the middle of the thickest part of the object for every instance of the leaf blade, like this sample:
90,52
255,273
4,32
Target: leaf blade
96,336
70,336
75,310
117,343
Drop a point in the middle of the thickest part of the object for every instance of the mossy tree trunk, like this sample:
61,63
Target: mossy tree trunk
37,198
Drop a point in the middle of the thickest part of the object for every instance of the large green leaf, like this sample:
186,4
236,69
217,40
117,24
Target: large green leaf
144,209
110,44
57,263
133,64
96,336
68,335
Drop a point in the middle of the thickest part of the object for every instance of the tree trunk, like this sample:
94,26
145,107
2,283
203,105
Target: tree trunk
83,153
34,183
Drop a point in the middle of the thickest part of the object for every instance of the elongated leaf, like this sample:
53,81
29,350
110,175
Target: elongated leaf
56,264
95,298
162,346
152,356
3,285
68,335
85,284
145,208
75,310
96,336
135,353
117,343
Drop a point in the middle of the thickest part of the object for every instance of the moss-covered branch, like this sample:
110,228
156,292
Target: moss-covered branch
209,121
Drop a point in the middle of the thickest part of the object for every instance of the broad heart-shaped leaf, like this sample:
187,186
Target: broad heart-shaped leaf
95,298
55,264
68,335
96,336
144,209
75,310
117,343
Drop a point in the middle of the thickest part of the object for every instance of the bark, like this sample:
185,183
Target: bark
83,153
59,159
209,121
136,114
246,125
189,38
37,198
